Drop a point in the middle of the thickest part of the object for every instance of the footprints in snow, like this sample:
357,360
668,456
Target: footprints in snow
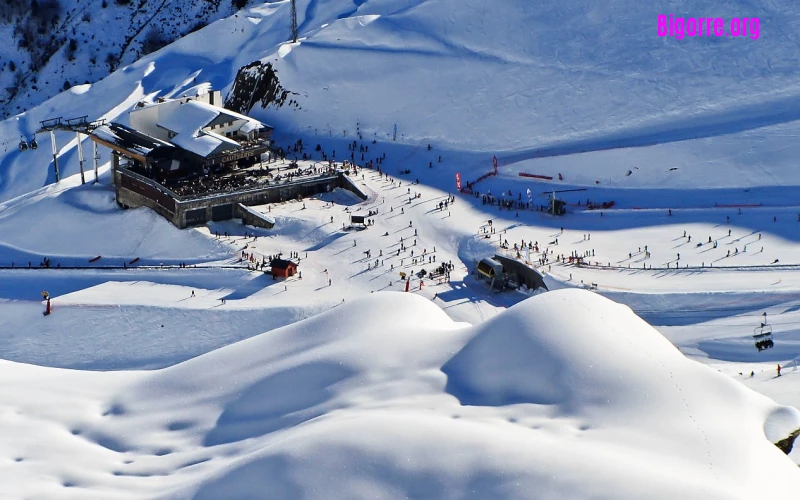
116,409
179,425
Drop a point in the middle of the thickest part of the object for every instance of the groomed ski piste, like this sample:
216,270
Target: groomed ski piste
630,378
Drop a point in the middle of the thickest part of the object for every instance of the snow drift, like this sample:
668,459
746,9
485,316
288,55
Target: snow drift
566,395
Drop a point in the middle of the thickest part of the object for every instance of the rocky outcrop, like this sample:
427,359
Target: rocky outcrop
257,83
785,445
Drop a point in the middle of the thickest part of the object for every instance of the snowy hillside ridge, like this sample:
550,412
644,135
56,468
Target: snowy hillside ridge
87,216
159,381
565,395
469,67
48,45
577,350
500,90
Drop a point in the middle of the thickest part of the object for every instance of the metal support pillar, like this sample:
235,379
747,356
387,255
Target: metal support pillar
294,22
96,159
80,157
55,154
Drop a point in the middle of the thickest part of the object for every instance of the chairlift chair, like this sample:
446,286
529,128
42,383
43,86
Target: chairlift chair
22,144
763,337
33,144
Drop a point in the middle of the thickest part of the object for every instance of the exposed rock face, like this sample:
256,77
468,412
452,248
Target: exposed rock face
785,445
257,83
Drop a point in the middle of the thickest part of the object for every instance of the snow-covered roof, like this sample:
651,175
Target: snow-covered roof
195,115
128,138
249,126
201,145
188,120
105,134
498,267
222,138
250,123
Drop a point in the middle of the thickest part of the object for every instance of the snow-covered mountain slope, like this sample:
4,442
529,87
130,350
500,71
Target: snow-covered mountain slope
515,75
71,223
46,45
566,395
514,79
458,78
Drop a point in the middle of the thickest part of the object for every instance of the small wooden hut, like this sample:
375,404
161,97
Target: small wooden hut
281,268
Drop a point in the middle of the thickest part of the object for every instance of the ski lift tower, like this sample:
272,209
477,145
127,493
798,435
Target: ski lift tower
79,125
556,205
294,21
51,125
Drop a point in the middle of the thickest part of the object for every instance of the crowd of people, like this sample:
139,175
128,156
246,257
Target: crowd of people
245,179
226,180
210,185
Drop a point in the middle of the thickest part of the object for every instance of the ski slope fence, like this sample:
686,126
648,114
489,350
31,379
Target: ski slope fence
536,176
468,187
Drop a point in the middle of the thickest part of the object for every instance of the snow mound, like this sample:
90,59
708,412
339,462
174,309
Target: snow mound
574,355
566,395
562,348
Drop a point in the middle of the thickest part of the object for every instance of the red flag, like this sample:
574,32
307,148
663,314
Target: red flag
458,181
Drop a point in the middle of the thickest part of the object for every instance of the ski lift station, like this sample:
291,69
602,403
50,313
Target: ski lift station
502,273
192,161
556,206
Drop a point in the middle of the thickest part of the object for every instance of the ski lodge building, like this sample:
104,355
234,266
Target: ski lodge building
499,271
178,138
193,161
